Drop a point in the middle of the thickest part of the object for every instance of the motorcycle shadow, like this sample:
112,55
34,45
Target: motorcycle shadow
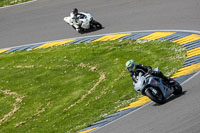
171,98
91,30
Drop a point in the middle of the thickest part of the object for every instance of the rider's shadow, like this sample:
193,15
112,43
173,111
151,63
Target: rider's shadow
171,98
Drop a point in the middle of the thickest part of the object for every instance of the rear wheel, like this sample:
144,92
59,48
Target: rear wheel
177,88
155,95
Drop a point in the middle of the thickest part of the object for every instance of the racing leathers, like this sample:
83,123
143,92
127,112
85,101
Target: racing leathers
147,69
74,22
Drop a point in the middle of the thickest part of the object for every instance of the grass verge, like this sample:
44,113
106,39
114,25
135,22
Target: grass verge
11,2
67,88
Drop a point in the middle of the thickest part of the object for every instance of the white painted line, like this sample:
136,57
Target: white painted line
122,116
18,4
190,78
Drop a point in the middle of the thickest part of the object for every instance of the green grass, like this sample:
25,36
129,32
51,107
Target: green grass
5,108
61,89
11,2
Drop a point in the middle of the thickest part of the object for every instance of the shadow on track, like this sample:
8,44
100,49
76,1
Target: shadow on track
91,30
171,98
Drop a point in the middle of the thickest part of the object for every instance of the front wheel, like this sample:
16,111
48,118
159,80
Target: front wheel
81,30
155,95
177,88
96,24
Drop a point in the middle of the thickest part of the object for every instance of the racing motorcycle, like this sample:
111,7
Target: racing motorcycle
156,88
83,22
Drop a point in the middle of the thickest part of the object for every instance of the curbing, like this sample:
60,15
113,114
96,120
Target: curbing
189,39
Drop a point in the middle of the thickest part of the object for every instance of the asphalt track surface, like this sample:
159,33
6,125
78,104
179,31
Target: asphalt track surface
43,21
179,115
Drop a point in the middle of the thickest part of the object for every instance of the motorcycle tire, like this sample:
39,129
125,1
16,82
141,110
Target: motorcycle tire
158,99
81,31
96,24
177,88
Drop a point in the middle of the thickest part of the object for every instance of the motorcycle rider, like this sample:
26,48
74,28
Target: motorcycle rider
75,16
135,69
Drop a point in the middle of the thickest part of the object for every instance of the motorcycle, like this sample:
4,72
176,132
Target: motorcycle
83,22
156,88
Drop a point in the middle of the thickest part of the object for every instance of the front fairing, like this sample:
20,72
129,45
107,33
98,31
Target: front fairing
157,83
86,21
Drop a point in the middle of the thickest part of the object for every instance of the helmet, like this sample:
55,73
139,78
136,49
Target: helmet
75,11
130,65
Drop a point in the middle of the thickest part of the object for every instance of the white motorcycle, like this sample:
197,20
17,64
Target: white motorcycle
155,87
83,22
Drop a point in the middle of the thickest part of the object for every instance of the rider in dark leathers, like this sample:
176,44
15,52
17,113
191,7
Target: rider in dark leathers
135,69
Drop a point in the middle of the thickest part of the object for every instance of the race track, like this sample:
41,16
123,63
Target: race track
43,21
180,115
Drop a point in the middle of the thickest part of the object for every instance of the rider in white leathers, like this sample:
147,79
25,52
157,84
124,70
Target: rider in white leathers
81,21
73,20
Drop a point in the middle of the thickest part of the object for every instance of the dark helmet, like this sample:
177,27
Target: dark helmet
75,11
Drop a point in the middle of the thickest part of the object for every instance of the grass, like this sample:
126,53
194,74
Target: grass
67,88
11,2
